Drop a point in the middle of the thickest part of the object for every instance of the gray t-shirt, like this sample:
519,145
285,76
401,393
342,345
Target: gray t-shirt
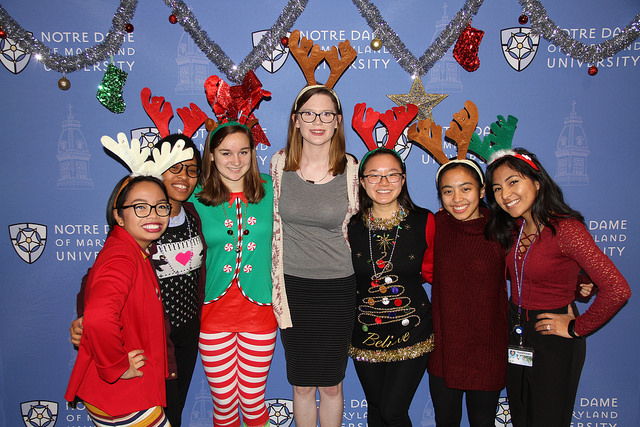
312,217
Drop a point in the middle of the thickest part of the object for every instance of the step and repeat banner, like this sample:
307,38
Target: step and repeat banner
583,125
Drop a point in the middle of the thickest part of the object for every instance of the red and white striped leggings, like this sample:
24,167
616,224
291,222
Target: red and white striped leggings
236,365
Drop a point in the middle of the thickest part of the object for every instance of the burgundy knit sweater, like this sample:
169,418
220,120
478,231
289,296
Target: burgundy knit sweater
469,300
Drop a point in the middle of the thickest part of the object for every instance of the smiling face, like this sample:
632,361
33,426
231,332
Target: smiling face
179,185
143,230
383,194
232,159
317,132
514,192
460,193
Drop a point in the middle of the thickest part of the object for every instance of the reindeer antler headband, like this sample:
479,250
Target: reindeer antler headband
461,132
234,105
365,119
309,56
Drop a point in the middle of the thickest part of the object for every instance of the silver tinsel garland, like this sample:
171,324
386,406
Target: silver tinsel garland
236,73
540,23
66,64
545,27
391,41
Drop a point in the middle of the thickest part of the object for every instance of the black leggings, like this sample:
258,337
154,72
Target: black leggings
447,404
389,388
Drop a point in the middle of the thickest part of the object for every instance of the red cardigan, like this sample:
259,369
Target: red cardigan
123,312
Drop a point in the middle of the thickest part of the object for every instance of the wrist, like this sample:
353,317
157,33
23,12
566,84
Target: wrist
572,329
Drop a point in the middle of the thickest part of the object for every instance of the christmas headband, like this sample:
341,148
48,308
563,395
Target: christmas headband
161,114
508,152
365,119
235,104
461,132
309,56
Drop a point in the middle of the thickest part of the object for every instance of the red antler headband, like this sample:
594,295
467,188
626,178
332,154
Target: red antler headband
161,113
235,104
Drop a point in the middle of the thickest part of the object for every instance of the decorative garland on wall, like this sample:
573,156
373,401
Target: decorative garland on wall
120,25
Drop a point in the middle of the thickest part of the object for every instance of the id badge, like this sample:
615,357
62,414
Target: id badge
518,355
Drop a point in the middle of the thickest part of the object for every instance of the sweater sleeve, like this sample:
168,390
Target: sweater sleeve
427,260
613,290
105,296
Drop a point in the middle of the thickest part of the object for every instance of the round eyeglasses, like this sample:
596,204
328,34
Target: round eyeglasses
192,170
143,210
392,178
310,116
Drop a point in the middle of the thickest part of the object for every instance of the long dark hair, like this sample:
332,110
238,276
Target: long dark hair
404,199
121,192
214,192
548,206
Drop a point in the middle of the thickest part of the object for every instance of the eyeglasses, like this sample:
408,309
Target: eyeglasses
192,170
310,116
392,178
143,210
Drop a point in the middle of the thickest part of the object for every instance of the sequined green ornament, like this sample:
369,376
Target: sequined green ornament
110,90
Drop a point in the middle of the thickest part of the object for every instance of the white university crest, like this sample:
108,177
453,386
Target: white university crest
519,46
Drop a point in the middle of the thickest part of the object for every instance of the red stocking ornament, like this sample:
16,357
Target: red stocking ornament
466,49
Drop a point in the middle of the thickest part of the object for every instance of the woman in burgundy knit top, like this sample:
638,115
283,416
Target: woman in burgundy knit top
547,245
469,300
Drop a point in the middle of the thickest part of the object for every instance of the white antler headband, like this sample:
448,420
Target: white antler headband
138,161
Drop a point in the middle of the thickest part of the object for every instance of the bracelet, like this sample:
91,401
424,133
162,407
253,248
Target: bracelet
572,329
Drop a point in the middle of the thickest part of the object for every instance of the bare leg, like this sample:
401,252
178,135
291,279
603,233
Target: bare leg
331,406
304,406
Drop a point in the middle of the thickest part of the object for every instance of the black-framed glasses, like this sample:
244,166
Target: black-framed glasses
143,210
392,178
192,170
310,116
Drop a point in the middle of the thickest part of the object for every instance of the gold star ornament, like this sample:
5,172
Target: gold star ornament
417,95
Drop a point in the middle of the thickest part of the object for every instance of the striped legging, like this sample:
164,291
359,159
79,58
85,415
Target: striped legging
152,417
236,365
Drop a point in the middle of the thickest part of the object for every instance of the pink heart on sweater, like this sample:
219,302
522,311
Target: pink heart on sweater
184,257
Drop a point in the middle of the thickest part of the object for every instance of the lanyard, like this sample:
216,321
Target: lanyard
520,277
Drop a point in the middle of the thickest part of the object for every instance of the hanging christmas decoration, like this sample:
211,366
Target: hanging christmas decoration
64,83
284,41
376,44
466,49
173,19
593,70
523,19
3,35
128,27
417,96
110,90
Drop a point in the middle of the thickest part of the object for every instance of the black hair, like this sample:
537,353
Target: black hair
548,206
404,199
121,192
477,177
188,143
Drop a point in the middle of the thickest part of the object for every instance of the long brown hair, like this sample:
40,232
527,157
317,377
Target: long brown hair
214,192
337,149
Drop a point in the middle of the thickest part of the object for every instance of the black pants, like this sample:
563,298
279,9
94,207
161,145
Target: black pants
389,388
185,343
447,404
543,395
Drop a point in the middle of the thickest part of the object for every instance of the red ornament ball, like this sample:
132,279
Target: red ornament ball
128,27
173,19
593,70
3,35
523,19
284,41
